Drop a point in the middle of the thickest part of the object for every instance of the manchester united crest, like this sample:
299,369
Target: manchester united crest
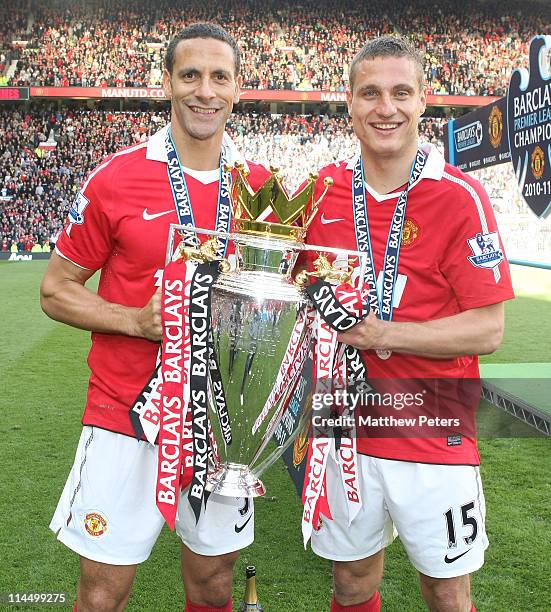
95,524
300,445
409,233
537,162
495,127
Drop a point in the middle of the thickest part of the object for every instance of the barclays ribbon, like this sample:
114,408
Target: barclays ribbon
199,323
182,201
381,303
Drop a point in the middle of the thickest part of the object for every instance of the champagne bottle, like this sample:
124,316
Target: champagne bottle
250,602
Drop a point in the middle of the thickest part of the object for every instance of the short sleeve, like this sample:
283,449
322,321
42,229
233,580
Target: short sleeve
472,256
87,238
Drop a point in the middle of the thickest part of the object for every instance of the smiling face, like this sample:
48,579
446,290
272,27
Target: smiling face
203,88
385,104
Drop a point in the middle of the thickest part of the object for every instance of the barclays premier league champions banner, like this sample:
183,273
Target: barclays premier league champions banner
529,126
516,128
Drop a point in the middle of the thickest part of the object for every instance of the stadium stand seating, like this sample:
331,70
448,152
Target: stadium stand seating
47,153
470,47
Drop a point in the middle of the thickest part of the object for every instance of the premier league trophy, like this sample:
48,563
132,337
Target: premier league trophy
260,334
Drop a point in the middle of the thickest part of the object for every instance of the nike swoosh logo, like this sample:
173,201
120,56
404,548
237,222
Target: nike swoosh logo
325,221
149,217
452,559
239,529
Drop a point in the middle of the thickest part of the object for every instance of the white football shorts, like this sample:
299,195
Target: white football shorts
107,511
438,511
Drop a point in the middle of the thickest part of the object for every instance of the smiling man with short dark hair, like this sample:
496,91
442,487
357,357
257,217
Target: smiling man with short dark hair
435,304
119,224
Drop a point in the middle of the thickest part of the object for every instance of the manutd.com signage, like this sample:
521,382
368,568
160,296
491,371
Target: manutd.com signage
478,139
253,95
156,93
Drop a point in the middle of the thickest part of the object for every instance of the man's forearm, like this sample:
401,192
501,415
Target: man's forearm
474,332
64,297
75,305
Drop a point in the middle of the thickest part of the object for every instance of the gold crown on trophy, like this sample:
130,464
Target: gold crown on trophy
253,212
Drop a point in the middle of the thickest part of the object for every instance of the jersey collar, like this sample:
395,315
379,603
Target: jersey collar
156,148
434,169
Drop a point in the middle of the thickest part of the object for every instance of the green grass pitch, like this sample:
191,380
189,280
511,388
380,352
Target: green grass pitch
43,378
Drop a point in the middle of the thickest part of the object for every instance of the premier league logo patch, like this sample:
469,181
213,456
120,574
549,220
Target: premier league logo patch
76,213
486,251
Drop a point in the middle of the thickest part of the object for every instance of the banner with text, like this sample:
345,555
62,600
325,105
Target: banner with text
529,126
479,138
246,95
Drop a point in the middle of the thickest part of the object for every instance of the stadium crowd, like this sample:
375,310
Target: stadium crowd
46,154
470,47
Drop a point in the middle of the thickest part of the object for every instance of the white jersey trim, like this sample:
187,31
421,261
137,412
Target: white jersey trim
71,261
475,197
156,148
203,176
478,203
434,169
141,145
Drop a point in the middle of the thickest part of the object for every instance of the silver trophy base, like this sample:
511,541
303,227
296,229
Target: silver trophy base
235,480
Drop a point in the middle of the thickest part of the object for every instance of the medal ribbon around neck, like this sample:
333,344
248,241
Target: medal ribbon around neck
382,304
182,201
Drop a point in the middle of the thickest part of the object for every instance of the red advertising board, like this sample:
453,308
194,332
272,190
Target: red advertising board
266,95
14,93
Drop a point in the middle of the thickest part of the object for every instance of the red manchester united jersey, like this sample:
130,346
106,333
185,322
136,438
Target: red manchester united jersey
119,224
451,260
